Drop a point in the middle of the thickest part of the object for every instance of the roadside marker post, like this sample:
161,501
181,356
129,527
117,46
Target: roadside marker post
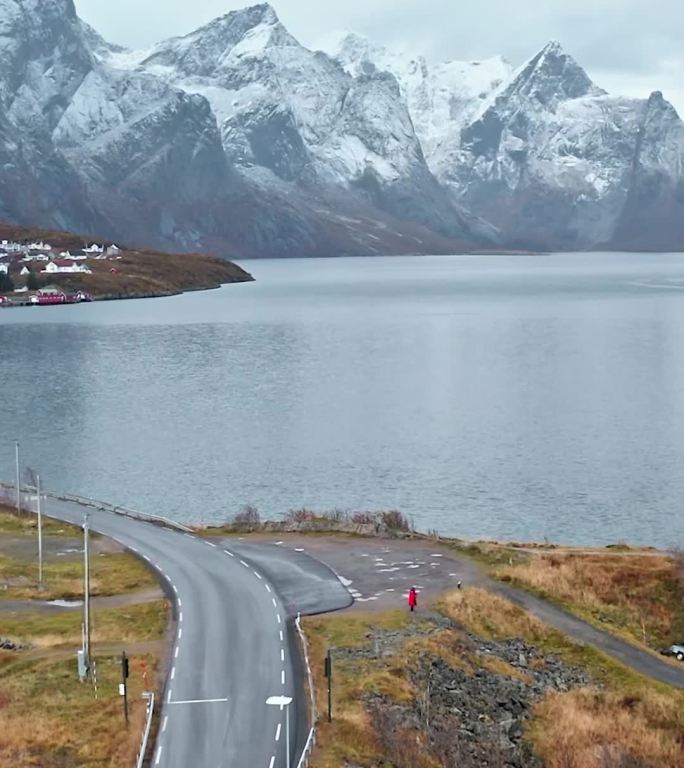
328,674
123,688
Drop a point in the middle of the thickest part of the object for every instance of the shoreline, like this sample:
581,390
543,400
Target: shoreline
133,296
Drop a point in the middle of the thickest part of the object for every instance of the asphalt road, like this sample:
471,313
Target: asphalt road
233,648
379,572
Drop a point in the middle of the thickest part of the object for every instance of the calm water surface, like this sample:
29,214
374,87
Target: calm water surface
514,397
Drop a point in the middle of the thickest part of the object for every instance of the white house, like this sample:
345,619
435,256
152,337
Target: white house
94,248
113,250
66,267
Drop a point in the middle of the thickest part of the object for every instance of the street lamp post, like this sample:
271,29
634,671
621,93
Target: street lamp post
18,489
40,532
86,591
284,703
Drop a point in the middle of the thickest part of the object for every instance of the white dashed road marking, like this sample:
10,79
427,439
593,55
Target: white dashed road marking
278,732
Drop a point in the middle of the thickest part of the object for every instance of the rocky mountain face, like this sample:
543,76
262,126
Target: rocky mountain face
543,154
239,140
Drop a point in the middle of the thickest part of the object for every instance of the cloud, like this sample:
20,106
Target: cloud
626,46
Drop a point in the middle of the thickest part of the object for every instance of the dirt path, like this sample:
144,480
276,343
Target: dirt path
113,601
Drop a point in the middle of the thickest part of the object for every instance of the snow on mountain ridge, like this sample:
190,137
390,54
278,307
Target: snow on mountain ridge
441,97
281,148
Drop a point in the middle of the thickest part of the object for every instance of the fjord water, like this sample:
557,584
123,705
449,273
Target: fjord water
524,397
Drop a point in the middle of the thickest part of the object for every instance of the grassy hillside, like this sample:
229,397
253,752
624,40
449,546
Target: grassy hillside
138,272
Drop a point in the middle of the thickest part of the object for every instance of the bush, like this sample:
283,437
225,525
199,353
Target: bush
363,518
248,515
395,520
302,515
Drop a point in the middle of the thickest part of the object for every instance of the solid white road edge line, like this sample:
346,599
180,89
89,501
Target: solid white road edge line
200,701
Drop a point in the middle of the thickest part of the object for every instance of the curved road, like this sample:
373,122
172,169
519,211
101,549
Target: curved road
231,650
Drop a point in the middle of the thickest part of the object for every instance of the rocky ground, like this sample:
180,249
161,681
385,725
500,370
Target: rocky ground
471,710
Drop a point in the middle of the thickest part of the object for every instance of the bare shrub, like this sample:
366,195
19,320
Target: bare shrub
395,520
363,518
247,516
336,515
302,515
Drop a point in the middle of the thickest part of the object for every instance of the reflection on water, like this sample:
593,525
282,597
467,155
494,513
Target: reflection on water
523,397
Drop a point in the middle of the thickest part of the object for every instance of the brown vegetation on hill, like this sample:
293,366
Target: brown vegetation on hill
138,273
638,594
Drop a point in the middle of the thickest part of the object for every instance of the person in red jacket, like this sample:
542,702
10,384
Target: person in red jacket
413,599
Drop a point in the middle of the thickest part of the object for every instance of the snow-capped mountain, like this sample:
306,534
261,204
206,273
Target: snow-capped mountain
238,139
541,152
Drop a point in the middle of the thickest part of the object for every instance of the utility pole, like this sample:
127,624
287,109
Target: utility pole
124,683
18,488
40,534
86,592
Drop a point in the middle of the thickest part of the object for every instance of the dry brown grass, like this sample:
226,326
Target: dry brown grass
140,271
490,616
600,729
641,595
49,719
351,738
630,717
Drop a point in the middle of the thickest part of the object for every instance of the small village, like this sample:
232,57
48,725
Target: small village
28,269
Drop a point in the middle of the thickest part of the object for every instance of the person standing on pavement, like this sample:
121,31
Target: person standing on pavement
413,599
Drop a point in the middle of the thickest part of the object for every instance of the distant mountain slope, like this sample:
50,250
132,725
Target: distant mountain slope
541,152
237,139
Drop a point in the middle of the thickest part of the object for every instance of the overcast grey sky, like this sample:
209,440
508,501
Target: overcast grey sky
628,46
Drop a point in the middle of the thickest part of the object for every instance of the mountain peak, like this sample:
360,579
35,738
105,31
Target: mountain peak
262,13
550,77
242,33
